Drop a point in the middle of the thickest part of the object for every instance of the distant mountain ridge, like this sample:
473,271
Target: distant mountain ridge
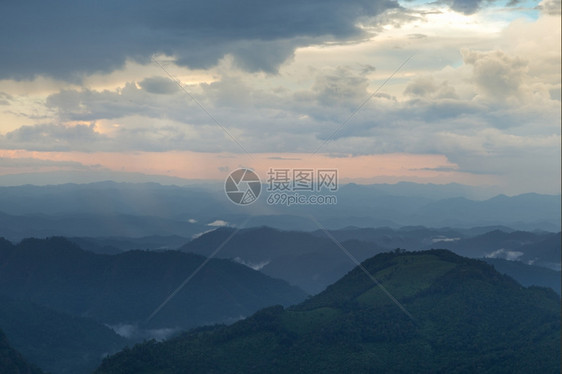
465,317
301,258
312,260
108,209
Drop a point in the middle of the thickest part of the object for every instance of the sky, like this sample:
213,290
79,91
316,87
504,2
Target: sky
464,91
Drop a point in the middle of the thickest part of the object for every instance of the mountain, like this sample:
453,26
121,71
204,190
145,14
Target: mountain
123,290
11,361
19,227
407,237
56,342
525,212
115,245
109,209
311,262
459,315
527,275
545,252
497,240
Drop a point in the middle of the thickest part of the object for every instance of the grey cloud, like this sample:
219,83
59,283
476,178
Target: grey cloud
466,6
258,55
284,158
426,87
34,163
159,85
341,86
87,138
417,36
5,98
395,17
53,137
65,39
367,68
88,105
550,7
272,120
555,93
91,105
496,73
472,6
442,169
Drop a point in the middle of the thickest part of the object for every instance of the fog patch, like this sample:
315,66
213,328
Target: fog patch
444,239
505,254
136,333
195,236
256,266
218,223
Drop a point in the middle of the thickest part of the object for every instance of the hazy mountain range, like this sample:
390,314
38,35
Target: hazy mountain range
149,209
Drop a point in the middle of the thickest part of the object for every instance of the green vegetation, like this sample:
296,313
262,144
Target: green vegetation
467,318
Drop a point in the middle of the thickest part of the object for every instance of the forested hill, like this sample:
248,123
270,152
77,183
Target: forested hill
11,361
465,317
126,288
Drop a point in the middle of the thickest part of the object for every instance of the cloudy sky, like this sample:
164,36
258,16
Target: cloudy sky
463,91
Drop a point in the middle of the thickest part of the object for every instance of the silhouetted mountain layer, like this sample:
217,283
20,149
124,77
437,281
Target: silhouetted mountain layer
527,275
127,288
546,252
301,258
458,315
115,245
312,261
12,362
56,342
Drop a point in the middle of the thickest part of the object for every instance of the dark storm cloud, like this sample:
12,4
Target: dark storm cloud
66,38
